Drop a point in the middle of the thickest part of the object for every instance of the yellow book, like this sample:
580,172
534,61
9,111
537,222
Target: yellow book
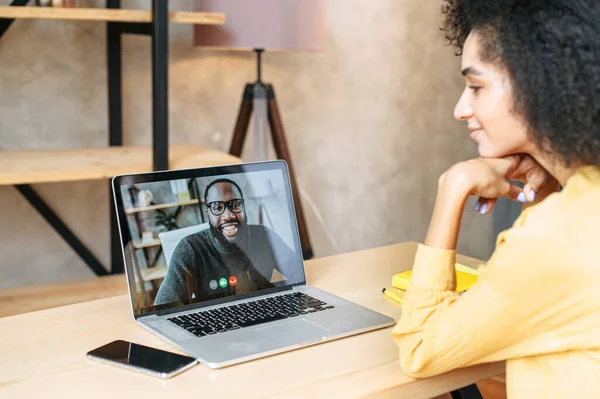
465,278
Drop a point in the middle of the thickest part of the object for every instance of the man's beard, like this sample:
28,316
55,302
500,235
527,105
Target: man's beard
217,232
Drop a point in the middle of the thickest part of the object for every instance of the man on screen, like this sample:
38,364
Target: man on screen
231,257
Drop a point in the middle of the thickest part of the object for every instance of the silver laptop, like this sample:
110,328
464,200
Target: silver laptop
215,267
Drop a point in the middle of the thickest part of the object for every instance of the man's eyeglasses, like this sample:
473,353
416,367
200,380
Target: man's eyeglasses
218,207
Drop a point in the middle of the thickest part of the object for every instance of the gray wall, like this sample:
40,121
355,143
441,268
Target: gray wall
369,123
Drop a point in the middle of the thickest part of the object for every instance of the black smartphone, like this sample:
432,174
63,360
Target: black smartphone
142,358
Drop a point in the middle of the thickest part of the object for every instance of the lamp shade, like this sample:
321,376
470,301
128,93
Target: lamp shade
263,24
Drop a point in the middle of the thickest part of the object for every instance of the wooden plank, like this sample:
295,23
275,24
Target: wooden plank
138,244
160,206
79,14
109,15
198,18
17,300
46,166
154,273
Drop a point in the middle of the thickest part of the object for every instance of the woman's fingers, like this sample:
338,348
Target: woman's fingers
514,192
484,205
478,204
528,192
488,206
538,182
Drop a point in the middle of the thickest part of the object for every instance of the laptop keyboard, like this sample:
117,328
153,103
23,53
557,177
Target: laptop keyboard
249,314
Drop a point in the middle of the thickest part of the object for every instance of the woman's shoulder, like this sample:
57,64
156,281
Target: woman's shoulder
582,188
564,227
575,205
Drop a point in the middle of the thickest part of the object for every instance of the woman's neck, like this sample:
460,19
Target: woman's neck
556,168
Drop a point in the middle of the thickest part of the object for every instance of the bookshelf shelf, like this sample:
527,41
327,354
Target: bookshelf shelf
137,244
154,273
108,15
160,206
48,166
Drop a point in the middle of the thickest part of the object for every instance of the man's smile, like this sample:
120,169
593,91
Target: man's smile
229,229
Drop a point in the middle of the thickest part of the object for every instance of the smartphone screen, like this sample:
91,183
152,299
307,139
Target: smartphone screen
142,358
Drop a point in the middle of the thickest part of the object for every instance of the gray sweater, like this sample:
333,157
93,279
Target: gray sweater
202,257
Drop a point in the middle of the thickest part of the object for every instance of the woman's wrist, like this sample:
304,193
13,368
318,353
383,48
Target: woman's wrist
453,191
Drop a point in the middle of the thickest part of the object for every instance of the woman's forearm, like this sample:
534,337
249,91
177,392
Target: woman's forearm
445,221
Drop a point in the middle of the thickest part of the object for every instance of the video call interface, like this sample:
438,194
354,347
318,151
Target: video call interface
198,239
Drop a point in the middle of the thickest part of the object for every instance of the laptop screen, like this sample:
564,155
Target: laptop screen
198,235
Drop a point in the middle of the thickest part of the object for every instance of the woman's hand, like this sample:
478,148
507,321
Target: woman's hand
483,177
487,178
538,182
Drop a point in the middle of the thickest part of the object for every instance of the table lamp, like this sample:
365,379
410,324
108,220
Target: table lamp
259,25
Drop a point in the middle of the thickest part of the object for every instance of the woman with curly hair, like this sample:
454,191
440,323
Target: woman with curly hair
532,104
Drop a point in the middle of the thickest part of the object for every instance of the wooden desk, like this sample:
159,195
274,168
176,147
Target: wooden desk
43,353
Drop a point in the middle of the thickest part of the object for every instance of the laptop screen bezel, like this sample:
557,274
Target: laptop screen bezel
217,171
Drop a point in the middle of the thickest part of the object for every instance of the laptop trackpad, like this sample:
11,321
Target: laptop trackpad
293,332
265,338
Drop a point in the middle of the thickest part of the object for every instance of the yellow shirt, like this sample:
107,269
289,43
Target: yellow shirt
536,304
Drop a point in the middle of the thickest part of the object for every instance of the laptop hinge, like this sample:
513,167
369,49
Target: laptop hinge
220,301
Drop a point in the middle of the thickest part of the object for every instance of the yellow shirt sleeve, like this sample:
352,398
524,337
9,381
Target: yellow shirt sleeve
527,301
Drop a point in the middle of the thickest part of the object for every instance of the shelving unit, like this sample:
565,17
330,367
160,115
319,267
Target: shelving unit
142,219
161,206
22,168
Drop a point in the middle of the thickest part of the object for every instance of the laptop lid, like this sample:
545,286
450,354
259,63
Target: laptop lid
198,237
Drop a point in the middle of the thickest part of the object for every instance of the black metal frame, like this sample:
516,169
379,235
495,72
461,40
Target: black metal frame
158,29
468,392
5,23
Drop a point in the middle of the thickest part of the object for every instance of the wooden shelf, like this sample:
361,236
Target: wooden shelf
154,273
47,166
160,206
137,244
108,15
197,18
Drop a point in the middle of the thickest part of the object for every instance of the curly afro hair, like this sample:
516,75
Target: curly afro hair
551,52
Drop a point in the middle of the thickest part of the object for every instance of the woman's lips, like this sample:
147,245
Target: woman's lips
475,134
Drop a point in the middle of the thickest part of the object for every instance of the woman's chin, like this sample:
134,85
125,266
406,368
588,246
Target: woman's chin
487,152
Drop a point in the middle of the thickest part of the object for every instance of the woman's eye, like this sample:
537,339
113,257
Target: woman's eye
475,88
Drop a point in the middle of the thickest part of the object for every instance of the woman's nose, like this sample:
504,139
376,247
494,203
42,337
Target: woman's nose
463,109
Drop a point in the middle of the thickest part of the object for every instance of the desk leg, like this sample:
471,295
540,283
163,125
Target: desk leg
468,392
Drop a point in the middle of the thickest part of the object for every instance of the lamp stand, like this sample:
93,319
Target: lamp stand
279,143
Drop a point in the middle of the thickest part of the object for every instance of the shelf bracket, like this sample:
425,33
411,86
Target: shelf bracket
6,22
40,205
